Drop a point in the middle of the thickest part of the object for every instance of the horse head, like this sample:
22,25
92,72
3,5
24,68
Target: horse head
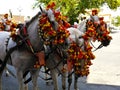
75,36
93,29
51,18
102,32
31,31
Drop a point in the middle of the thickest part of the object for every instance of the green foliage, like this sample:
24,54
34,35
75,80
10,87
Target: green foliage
116,21
72,8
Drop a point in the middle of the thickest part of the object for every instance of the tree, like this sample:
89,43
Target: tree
72,8
116,21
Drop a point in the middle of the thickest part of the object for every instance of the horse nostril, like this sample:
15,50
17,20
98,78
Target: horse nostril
80,37
106,42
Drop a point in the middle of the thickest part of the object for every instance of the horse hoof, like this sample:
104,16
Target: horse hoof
7,75
49,83
77,89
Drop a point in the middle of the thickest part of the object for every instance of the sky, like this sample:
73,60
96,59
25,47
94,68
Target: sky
18,7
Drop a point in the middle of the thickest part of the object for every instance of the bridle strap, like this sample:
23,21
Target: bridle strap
96,48
27,40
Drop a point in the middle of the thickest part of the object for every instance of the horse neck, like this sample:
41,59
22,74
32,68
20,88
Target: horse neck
33,35
74,35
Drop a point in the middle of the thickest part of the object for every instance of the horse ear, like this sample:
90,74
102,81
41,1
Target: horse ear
58,9
76,39
42,10
92,18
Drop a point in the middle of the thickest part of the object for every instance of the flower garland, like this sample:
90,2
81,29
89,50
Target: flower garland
91,33
13,26
105,34
51,35
13,30
81,59
1,26
46,31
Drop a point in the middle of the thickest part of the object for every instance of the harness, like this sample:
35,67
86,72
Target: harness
100,46
60,54
21,40
96,48
9,52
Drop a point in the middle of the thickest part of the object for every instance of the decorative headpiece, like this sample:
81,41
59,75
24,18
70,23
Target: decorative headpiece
101,18
6,15
95,11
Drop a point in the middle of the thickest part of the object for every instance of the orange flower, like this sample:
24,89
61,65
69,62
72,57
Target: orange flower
43,20
61,41
50,5
57,14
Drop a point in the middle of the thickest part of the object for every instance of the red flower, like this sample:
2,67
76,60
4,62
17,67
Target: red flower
51,5
61,41
43,20
66,24
57,14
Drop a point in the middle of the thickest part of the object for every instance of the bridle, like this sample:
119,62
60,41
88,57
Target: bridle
96,26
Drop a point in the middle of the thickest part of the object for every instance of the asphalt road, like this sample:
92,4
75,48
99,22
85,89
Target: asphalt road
104,73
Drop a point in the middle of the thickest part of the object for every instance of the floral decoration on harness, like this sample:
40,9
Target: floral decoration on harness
48,33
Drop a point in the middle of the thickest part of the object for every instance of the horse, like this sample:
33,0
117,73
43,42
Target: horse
57,59
84,26
56,54
19,50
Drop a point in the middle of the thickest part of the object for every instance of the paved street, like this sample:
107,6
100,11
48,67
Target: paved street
105,69
104,73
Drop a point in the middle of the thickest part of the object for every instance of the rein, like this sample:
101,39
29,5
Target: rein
95,27
46,58
60,55
24,36
27,40
96,48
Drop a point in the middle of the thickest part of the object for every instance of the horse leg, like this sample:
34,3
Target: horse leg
75,82
35,75
54,78
1,80
7,72
63,80
26,85
69,80
46,76
20,79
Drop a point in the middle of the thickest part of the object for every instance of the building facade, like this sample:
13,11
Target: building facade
15,18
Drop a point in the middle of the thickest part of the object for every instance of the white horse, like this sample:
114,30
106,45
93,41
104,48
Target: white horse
56,55
21,53
56,60
83,27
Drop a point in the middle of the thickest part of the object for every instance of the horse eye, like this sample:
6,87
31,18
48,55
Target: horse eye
80,37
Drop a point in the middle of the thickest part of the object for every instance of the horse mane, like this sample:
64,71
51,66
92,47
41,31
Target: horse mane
32,19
